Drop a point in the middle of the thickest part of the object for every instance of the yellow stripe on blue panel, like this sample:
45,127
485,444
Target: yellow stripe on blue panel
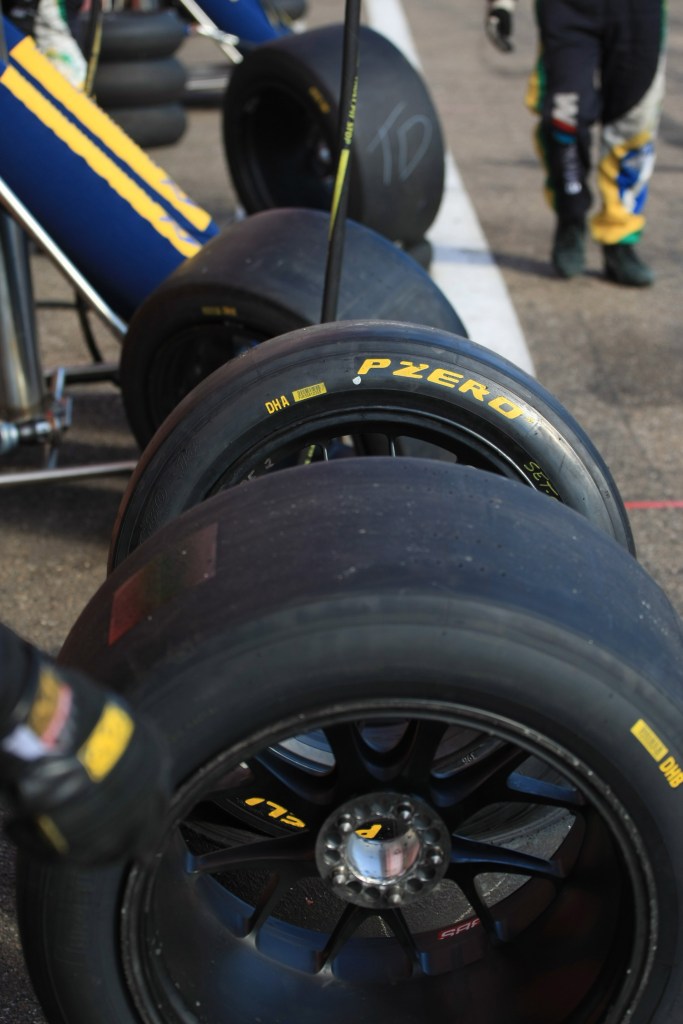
101,125
102,165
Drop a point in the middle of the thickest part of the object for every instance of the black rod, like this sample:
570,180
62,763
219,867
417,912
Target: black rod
348,93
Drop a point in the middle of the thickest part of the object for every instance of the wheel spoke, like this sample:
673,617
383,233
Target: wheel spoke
357,765
478,904
269,853
473,858
208,819
485,782
405,764
420,745
396,921
524,788
290,784
278,886
351,919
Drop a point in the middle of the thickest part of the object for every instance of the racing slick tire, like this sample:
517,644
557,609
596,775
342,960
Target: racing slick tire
260,277
140,83
161,124
280,128
481,682
138,35
394,387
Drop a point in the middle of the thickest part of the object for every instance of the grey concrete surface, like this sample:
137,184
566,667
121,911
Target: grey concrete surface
611,355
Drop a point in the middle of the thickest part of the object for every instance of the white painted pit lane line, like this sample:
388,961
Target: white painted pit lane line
463,265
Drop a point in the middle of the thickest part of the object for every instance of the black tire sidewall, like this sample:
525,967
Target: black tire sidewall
196,706
251,401
139,35
268,273
161,124
139,83
398,201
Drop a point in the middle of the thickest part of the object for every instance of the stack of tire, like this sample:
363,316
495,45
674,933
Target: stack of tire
467,679
139,81
281,113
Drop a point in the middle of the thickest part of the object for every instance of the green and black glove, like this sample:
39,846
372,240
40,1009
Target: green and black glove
499,23
86,778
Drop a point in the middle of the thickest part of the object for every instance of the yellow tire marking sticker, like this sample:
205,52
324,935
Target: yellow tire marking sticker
310,392
107,742
659,752
99,123
277,404
649,739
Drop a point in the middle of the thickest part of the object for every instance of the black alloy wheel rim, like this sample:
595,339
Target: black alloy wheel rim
190,356
345,428
288,152
546,912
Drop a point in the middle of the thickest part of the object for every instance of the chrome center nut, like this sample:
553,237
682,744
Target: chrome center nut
383,850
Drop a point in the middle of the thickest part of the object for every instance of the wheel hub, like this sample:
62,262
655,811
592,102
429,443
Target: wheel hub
384,849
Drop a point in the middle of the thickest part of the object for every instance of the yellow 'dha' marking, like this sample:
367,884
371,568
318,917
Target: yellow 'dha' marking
659,752
107,742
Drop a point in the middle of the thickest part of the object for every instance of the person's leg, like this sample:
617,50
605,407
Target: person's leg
633,89
562,92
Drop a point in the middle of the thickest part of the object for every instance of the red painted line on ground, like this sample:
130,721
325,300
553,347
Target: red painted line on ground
653,504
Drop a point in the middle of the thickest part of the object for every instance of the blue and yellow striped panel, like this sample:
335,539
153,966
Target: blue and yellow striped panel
120,218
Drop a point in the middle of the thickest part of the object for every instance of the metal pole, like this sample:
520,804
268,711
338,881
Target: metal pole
21,378
347,110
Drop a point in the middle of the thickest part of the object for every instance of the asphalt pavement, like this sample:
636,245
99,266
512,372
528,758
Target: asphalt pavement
610,354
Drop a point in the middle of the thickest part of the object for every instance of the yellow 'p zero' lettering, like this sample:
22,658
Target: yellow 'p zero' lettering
370,832
276,811
506,407
289,819
413,370
448,378
373,364
478,389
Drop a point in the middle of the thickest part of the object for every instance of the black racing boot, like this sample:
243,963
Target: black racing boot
569,256
624,266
